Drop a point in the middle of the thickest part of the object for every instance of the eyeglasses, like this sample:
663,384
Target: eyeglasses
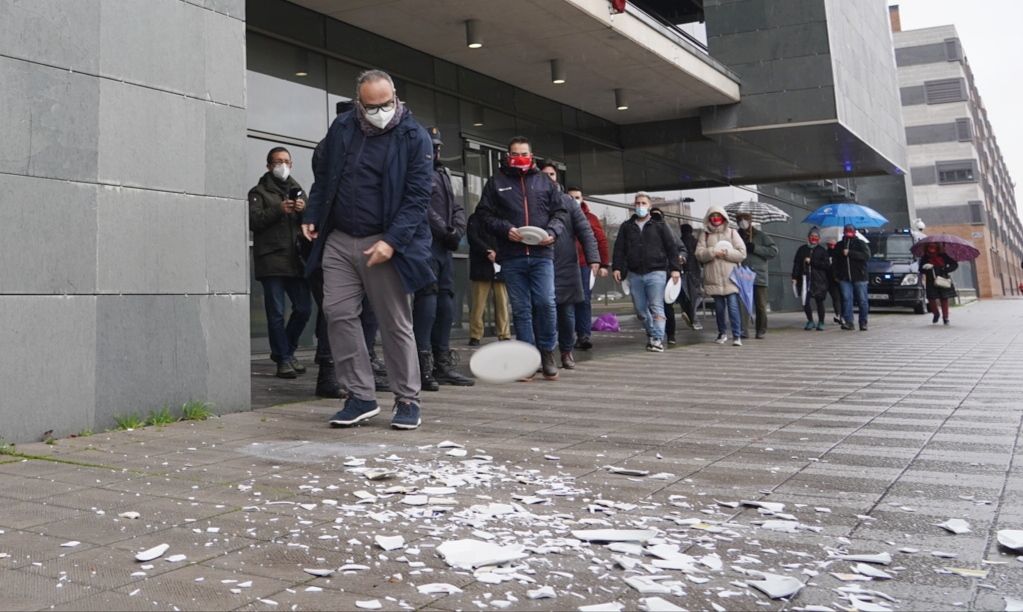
372,109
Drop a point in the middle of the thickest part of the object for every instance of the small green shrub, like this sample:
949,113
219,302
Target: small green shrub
161,417
130,421
196,411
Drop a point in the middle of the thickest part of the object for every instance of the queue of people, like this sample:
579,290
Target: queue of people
372,244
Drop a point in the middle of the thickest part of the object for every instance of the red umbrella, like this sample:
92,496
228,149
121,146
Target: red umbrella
957,248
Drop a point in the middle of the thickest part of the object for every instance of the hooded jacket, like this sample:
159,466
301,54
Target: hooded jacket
817,272
598,233
717,270
446,212
512,198
650,249
760,249
945,267
274,232
480,241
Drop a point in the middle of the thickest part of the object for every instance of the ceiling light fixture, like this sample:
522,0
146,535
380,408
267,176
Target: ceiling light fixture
478,116
301,62
473,40
557,72
621,100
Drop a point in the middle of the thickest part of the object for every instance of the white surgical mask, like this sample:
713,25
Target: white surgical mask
642,211
744,224
381,118
282,172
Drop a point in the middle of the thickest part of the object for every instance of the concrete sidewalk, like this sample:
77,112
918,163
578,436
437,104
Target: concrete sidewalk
866,439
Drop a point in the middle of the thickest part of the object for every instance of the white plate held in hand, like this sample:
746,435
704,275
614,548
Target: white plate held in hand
672,290
533,235
625,286
503,362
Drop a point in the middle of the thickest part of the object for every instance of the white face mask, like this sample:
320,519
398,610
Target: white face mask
282,172
642,211
381,118
744,224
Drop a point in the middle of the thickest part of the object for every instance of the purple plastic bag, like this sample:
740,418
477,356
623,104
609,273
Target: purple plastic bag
606,322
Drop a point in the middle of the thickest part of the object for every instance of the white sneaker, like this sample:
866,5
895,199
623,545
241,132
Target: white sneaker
721,339
737,342
655,346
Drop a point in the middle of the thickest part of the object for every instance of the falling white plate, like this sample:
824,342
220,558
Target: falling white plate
593,280
533,235
672,290
153,553
625,286
503,362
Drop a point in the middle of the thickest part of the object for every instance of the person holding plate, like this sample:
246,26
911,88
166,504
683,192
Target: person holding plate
721,249
524,211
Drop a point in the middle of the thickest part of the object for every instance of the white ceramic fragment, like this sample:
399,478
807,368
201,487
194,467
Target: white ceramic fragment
129,515
879,558
871,571
369,604
1011,538
390,542
776,586
955,525
153,553
320,572
657,604
176,558
470,554
438,588
544,592
614,535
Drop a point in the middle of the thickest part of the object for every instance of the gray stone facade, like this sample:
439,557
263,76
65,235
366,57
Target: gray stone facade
123,263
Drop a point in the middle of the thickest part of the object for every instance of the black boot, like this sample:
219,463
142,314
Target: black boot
429,383
549,365
326,381
445,373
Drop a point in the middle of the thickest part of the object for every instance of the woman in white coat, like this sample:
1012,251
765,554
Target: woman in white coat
720,249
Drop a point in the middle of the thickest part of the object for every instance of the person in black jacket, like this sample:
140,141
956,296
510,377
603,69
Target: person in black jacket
935,264
275,224
811,277
485,278
519,195
850,266
644,252
433,305
833,289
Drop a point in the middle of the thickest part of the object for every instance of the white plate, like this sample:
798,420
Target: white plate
533,235
593,280
625,286
497,268
723,245
503,362
672,290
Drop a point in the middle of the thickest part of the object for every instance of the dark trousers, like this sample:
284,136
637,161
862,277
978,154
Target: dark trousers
322,339
584,310
760,306
283,336
566,327
808,307
669,319
836,298
433,307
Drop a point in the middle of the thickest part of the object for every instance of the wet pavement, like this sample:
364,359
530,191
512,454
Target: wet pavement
723,471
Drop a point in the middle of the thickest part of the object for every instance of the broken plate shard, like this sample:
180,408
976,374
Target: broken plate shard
879,558
871,571
776,586
1013,605
626,471
647,586
544,592
176,558
772,506
956,526
1011,538
470,554
614,606
614,535
129,515
320,572
369,604
390,542
70,544
656,604
438,588
153,553
966,572
449,444
377,474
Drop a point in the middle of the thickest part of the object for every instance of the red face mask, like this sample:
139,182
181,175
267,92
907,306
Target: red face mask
850,234
523,163
932,250
716,220
815,240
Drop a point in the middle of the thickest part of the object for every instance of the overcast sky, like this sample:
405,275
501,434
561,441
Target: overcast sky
989,31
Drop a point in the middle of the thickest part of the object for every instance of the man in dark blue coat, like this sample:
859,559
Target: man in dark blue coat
520,195
366,216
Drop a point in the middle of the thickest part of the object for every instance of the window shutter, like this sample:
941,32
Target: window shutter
953,52
944,91
964,130
976,212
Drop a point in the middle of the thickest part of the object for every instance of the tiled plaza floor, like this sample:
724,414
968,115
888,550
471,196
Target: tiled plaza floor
867,439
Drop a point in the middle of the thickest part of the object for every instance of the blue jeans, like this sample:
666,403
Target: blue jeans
860,291
584,310
648,299
731,304
530,282
432,308
284,338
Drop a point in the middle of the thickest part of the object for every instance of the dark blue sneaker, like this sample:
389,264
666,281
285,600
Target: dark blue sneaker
355,410
406,416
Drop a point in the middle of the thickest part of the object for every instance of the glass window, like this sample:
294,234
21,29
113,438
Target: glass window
286,19
489,125
420,100
341,78
480,87
285,89
447,119
379,52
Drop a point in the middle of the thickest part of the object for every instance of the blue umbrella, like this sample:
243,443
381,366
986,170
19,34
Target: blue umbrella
743,278
831,215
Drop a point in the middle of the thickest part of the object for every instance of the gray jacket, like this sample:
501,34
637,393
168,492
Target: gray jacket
568,284
759,250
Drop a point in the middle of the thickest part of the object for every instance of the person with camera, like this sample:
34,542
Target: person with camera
275,207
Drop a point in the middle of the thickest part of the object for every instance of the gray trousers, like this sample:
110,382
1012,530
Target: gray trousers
346,279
